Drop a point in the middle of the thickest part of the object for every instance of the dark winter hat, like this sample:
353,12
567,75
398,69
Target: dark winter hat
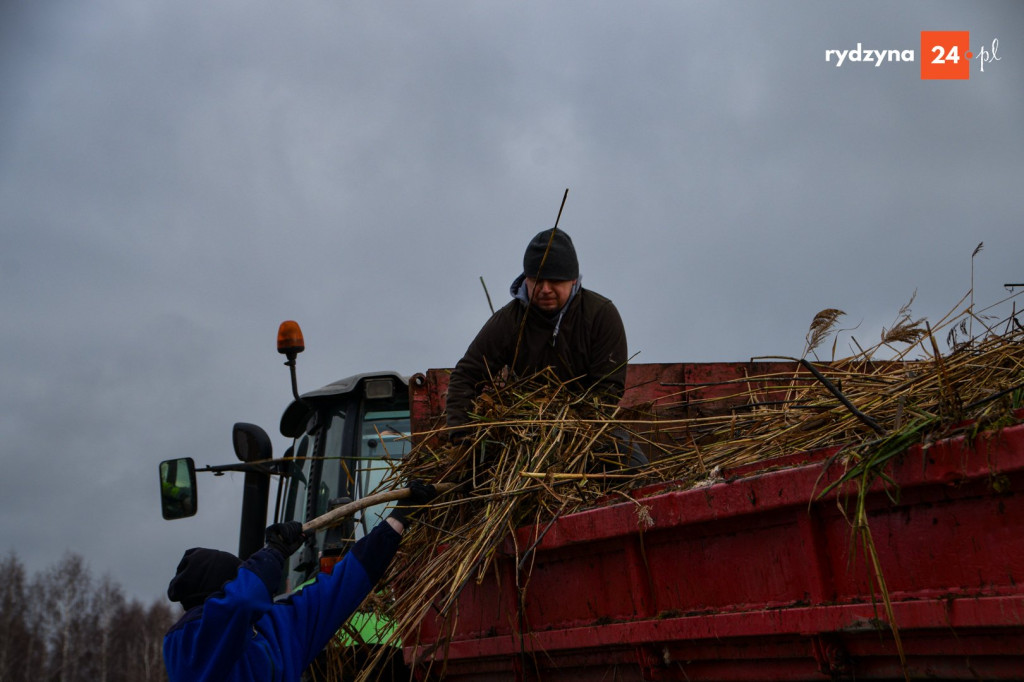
560,263
201,572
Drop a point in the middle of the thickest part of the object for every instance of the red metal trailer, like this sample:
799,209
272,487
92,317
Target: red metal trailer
753,576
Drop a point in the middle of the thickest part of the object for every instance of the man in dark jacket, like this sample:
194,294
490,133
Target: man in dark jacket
234,630
551,322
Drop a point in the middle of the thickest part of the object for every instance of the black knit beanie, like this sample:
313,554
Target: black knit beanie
201,572
560,263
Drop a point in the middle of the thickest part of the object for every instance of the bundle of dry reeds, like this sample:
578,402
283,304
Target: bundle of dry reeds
536,451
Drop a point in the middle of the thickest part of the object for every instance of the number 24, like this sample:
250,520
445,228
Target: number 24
952,55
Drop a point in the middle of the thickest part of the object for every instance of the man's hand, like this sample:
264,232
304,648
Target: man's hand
420,494
286,537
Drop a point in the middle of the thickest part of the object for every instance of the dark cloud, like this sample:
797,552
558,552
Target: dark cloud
176,179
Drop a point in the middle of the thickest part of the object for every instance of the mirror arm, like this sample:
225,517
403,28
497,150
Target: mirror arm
275,467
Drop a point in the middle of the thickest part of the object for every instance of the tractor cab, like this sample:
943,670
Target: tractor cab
345,436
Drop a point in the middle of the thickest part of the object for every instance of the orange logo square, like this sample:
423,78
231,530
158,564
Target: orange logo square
946,55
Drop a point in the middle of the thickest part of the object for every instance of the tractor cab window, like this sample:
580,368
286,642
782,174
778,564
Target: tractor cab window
294,507
384,441
298,478
335,477
318,463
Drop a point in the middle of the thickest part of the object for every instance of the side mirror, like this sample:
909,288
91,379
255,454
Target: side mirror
252,444
179,497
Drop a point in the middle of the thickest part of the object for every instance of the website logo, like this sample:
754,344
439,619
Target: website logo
944,55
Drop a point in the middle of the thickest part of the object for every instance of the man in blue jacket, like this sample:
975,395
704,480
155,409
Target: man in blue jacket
232,628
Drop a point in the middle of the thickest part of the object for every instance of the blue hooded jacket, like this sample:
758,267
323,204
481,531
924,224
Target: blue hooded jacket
241,634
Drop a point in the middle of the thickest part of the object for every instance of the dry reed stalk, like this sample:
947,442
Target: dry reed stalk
536,452
822,326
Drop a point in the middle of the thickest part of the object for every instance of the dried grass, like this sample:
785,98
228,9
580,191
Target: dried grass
537,451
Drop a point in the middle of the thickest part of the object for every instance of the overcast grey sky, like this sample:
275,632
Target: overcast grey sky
176,178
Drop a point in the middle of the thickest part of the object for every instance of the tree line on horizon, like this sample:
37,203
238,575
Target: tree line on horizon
62,625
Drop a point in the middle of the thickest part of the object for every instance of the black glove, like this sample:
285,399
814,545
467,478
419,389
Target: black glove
458,437
420,494
286,537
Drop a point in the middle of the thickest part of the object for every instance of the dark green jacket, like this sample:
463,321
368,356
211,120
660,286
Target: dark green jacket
587,347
